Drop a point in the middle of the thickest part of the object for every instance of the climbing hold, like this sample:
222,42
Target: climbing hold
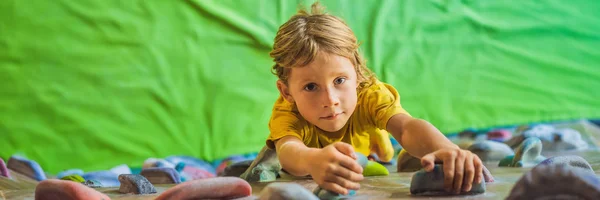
105,178
375,169
53,189
161,175
526,155
490,150
264,168
561,181
326,195
291,191
93,183
26,167
74,178
209,188
3,170
237,169
70,172
136,184
499,135
432,183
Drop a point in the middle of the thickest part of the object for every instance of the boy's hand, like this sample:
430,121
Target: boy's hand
335,168
461,167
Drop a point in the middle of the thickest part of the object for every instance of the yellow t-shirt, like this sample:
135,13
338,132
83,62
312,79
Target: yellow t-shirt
375,106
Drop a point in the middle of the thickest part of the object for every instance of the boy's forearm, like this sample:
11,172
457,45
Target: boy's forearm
294,157
418,136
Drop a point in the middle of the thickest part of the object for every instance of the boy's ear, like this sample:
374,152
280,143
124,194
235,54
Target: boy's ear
284,91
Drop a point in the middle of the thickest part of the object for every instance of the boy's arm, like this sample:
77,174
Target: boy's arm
293,155
421,139
333,167
417,136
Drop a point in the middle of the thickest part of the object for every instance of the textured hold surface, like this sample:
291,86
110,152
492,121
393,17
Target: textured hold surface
375,169
193,173
265,167
3,170
53,189
571,160
490,150
74,178
290,191
161,175
26,167
499,135
407,162
210,188
432,183
552,181
134,183
526,155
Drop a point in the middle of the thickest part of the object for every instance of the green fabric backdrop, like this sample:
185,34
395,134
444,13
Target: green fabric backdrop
93,84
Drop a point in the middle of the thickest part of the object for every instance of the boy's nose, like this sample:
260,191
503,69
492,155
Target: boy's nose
331,99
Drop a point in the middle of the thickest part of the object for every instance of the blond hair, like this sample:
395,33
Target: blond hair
304,35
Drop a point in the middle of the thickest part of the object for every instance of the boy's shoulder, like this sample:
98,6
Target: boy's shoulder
378,88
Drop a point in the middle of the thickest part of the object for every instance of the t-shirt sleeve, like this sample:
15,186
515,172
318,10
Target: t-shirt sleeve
285,121
382,101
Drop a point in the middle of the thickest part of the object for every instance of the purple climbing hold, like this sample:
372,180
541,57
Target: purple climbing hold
3,170
291,191
135,183
571,160
161,175
559,181
26,167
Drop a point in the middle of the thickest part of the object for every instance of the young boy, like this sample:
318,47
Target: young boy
331,105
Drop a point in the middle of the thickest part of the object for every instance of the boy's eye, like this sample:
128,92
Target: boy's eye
339,80
310,87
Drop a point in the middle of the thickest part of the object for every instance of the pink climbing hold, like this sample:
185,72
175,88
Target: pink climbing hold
194,173
3,170
210,188
499,135
54,189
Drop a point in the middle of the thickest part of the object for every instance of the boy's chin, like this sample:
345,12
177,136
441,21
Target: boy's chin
331,127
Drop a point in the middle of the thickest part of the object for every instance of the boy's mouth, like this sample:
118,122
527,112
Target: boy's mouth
332,116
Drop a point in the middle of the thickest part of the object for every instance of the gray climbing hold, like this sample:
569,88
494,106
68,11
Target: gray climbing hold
432,183
237,169
161,175
135,183
571,160
328,195
490,150
292,191
526,155
559,181
264,168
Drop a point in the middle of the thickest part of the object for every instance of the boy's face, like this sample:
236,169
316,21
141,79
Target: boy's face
324,91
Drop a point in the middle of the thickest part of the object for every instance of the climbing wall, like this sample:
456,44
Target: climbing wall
95,84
